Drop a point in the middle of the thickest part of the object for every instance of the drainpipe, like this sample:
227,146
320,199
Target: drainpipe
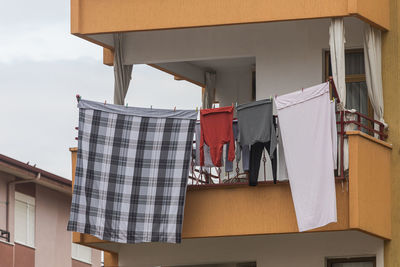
34,180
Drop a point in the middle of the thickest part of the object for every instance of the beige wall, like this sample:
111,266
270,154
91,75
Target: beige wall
52,240
268,250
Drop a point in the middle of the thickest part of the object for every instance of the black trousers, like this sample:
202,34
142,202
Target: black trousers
256,151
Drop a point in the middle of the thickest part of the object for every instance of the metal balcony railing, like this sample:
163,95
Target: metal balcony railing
5,235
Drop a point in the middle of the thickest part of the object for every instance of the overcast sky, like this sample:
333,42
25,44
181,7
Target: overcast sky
43,67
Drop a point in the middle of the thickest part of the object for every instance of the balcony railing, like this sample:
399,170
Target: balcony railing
5,235
346,120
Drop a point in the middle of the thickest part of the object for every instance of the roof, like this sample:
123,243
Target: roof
7,161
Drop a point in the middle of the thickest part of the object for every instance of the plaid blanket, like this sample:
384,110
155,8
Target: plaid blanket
131,173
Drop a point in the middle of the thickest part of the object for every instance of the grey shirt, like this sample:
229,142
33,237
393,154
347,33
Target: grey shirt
255,122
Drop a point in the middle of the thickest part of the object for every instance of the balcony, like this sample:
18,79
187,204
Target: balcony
256,61
217,209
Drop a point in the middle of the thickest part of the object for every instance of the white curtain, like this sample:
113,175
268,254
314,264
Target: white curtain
122,73
209,92
373,69
336,44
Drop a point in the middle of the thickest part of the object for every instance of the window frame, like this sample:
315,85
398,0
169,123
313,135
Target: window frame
30,203
331,261
349,77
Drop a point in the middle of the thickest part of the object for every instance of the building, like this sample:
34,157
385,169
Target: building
34,210
258,49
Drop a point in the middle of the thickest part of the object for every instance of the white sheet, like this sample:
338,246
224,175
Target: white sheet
306,128
334,134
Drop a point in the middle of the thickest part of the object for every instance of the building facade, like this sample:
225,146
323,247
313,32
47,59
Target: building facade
34,212
259,49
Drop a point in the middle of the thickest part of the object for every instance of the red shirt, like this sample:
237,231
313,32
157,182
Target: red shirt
216,130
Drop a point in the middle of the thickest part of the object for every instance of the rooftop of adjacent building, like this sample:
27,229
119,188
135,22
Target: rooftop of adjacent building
25,171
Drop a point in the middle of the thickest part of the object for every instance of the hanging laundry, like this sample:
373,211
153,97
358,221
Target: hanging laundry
334,134
256,152
282,170
131,174
207,156
306,127
242,154
257,129
216,130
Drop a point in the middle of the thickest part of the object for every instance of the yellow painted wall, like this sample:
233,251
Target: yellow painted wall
391,95
110,259
373,11
103,16
108,57
244,210
369,184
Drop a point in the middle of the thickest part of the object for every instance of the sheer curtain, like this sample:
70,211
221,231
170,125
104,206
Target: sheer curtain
209,92
122,72
336,45
373,69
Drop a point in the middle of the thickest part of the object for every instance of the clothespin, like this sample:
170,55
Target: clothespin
235,104
270,97
105,102
302,89
126,105
174,109
232,104
197,109
275,96
78,97
151,107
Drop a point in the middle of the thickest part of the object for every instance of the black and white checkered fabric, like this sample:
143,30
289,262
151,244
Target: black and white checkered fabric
131,174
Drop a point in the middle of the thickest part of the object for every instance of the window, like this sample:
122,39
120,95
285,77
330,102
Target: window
81,253
352,262
356,86
24,219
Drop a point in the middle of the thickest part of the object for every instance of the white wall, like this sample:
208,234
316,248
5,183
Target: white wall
300,250
289,55
233,85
